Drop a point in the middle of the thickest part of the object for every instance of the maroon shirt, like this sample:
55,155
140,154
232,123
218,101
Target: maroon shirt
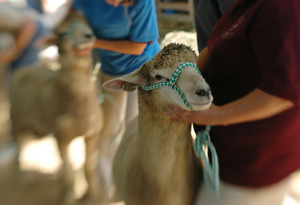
256,44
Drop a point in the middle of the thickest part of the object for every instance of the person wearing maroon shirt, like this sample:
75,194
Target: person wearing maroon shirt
252,63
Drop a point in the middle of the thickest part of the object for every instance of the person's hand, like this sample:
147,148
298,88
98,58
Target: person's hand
245,109
83,52
204,117
114,3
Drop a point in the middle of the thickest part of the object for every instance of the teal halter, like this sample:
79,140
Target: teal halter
172,82
202,142
71,28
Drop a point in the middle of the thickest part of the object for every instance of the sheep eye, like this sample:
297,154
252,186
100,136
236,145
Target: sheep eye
158,77
61,34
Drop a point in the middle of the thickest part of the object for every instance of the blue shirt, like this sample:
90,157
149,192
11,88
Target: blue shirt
136,23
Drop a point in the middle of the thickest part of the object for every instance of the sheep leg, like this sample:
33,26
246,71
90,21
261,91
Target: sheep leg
94,191
63,134
19,137
67,175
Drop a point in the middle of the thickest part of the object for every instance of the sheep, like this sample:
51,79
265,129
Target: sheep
155,162
184,37
62,102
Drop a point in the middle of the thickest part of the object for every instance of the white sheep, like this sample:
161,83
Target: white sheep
155,162
62,102
185,37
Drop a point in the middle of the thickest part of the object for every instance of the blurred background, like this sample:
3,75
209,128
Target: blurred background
38,180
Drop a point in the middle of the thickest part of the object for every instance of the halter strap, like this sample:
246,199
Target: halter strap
71,28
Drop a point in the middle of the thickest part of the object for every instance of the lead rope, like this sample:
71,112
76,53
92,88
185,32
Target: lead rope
202,142
211,171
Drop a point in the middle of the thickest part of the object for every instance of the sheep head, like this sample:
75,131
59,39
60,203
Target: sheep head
194,93
73,36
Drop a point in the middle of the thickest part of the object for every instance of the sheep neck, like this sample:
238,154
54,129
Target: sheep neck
163,144
75,78
153,123
73,63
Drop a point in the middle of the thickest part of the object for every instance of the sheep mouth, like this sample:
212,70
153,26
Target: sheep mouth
83,49
201,106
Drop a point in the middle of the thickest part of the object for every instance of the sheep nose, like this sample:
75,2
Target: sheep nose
88,35
202,92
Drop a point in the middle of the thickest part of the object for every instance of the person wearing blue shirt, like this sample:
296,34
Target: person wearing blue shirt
127,37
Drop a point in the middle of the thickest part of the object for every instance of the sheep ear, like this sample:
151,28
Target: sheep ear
127,82
46,41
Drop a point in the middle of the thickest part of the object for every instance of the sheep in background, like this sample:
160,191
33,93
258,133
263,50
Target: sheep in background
184,37
155,162
62,102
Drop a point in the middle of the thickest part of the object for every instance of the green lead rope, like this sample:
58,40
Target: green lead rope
211,171
202,141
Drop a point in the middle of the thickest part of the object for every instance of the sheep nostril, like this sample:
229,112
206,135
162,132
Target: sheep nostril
87,35
202,92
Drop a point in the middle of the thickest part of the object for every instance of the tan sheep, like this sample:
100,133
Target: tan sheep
155,162
63,102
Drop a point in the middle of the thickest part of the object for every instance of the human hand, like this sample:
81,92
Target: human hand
114,3
204,117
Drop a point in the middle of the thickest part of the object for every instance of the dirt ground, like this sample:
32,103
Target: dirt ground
34,187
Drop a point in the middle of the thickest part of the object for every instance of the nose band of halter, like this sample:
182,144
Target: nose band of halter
71,30
172,82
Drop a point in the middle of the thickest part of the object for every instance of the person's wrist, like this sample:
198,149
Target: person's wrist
222,116
217,116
